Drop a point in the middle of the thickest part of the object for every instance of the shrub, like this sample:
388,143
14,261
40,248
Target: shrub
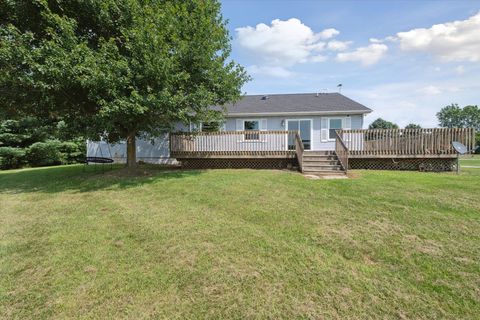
72,151
44,154
11,158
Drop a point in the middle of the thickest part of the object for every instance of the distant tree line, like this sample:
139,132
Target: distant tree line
36,142
384,124
453,116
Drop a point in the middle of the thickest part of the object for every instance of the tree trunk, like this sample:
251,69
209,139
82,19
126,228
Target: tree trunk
131,150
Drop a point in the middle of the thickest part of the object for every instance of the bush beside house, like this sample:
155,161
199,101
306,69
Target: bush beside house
29,142
11,158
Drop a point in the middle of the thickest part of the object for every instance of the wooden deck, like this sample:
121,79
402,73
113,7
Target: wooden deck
404,143
408,145
401,149
234,144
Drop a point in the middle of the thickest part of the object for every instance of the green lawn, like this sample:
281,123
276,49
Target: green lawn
470,160
238,244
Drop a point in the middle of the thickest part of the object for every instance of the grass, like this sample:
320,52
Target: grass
238,244
470,160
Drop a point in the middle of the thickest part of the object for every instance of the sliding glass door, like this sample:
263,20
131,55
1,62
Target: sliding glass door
305,128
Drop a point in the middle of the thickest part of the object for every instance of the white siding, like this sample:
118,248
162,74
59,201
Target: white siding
156,150
275,123
147,150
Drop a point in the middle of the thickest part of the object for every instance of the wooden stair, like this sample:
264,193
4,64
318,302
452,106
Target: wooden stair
321,163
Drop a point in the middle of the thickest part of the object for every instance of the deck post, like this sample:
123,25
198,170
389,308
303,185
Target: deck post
458,163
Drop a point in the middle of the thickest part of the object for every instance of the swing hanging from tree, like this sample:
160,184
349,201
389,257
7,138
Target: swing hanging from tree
100,160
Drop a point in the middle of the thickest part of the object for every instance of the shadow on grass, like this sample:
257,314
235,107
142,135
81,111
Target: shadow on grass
76,178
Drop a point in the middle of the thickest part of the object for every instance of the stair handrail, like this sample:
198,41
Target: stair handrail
342,151
299,148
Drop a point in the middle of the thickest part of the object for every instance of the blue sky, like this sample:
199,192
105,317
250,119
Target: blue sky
403,59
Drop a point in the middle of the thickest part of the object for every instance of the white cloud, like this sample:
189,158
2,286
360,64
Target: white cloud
283,43
453,89
391,39
365,55
406,102
336,45
273,71
328,33
451,41
460,70
318,58
429,90
398,102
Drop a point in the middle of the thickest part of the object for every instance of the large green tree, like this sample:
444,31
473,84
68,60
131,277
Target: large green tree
116,69
453,116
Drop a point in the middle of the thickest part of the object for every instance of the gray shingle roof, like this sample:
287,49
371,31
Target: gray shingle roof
295,103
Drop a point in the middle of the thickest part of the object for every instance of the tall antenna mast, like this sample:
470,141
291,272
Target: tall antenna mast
339,86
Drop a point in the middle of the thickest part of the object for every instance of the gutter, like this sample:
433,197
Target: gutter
295,113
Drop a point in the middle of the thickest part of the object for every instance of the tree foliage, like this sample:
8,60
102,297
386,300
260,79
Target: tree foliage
122,67
413,126
38,142
11,158
382,124
477,140
453,116
23,132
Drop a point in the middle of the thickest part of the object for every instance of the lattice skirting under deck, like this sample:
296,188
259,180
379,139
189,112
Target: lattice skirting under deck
415,164
234,163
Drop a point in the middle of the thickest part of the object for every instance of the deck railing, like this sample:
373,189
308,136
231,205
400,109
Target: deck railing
405,142
299,148
342,151
233,143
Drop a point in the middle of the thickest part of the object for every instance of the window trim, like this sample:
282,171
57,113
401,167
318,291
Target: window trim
259,120
244,139
342,119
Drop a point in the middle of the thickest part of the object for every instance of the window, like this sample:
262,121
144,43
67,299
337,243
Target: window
195,126
212,126
251,125
330,124
333,124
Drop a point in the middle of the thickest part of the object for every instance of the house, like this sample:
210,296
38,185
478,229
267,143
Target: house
319,133
315,115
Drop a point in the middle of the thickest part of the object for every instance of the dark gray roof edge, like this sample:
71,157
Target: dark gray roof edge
290,103
306,113
365,107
